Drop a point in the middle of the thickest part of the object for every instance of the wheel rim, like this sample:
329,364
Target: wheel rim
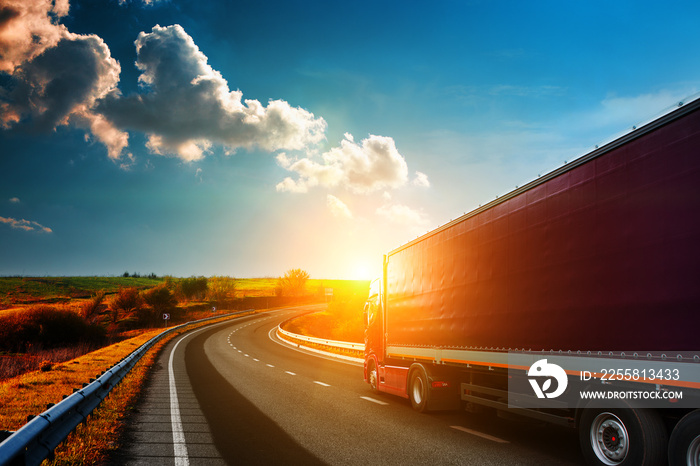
373,378
609,439
418,390
693,456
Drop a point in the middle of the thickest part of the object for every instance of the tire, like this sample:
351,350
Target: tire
684,446
418,390
622,437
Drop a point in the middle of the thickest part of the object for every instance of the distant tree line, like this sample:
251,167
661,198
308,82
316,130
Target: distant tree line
138,275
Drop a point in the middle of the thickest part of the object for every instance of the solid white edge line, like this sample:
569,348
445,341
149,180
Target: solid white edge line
179,445
480,434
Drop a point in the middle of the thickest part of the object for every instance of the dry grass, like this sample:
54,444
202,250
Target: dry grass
343,320
28,394
12,365
91,443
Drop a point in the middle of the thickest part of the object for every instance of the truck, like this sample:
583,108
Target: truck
574,299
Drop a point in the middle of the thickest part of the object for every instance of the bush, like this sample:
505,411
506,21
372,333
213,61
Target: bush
221,291
46,327
193,288
292,284
160,299
123,309
91,310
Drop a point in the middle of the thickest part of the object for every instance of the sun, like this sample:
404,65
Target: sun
362,270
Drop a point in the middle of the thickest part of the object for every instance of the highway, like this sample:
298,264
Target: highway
233,394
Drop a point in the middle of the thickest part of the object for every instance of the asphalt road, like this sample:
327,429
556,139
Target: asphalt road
243,397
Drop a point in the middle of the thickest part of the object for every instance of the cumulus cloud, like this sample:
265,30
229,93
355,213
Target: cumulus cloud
373,164
26,225
185,105
337,207
27,29
56,76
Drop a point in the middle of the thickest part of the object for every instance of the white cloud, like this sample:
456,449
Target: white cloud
337,207
623,112
403,215
56,76
185,105
421,180
368,166
26,225
27,29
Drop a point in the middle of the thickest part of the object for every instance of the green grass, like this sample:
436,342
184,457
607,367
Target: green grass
32,290
26,290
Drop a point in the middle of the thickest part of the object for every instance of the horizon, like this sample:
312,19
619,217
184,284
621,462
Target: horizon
154,136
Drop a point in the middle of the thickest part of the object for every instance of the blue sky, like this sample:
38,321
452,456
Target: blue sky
247,138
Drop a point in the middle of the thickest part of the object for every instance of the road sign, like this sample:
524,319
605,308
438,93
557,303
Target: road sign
166,316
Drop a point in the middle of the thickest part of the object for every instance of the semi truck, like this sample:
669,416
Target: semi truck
574,299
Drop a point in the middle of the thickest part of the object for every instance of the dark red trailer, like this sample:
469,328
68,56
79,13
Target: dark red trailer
594,265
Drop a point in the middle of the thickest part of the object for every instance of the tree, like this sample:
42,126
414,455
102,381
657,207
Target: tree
221,290
293,283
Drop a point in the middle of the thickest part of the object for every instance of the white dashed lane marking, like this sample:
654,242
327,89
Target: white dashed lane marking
374,401
317,382
480,434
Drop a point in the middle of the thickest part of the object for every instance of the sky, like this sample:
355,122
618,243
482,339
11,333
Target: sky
247,138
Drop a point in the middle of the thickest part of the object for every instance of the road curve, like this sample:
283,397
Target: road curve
244,397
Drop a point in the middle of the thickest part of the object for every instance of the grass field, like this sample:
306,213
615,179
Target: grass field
31,290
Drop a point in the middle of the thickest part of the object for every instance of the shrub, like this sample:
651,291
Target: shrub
292,284
46,327
123,309
193,288
221,290
160,299
91,309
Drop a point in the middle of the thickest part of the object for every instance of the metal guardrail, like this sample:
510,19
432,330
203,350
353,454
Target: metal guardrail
323,341
339,346
36,440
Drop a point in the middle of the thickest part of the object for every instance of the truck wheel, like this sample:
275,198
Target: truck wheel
418,390
622,437
684,446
